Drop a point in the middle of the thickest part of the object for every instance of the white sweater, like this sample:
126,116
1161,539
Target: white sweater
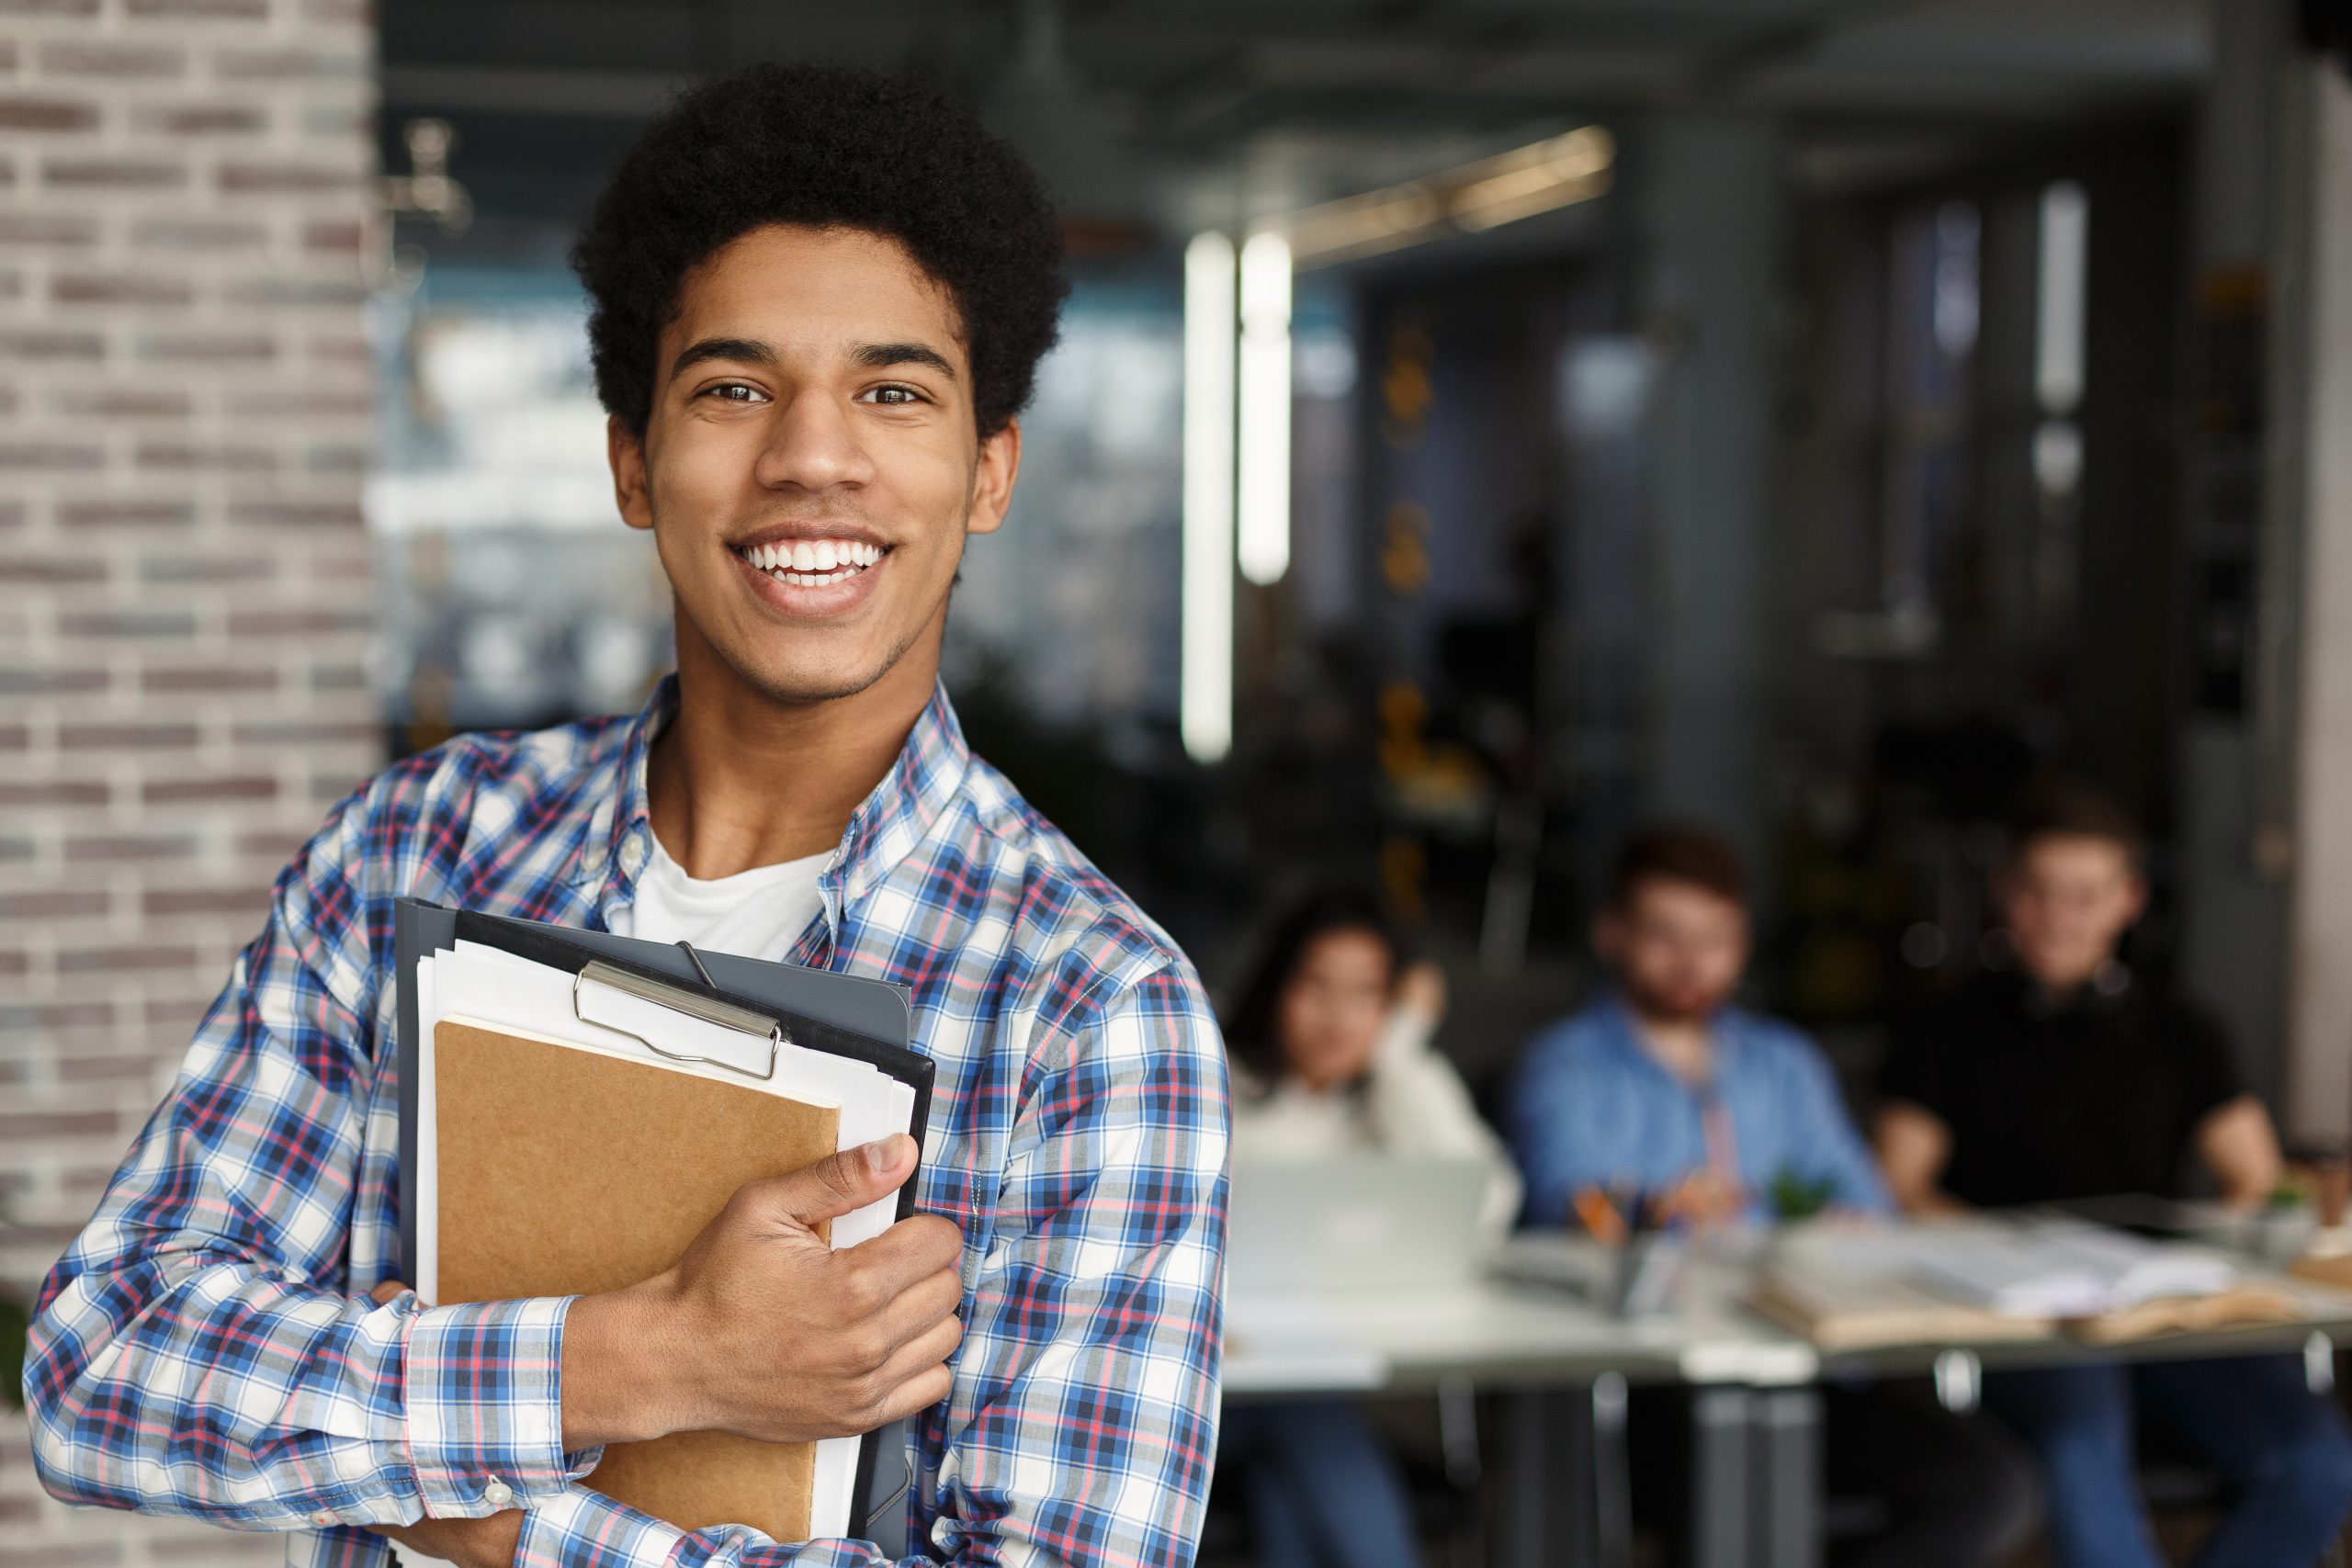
1412,1103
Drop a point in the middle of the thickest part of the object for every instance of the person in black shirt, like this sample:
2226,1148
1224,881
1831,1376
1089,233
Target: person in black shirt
2072,1078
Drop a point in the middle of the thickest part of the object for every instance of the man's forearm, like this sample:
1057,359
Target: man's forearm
621,1370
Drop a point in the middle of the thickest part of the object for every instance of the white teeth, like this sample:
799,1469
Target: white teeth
807,563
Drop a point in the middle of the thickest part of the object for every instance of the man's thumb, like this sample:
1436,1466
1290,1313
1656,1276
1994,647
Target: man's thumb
848,1180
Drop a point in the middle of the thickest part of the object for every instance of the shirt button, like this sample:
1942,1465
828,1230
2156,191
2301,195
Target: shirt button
323,1518
633,855
498,1494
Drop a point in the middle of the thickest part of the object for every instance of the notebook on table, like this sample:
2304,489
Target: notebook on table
575,1107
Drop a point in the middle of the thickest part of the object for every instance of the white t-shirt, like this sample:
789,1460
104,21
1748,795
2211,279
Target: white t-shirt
758,913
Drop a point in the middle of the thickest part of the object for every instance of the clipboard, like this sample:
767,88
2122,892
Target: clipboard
865,1020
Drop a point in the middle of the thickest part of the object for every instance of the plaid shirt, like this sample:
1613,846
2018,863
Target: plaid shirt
207,1346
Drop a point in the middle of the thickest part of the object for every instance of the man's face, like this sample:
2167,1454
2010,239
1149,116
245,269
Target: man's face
1679,949
810,468
2068,900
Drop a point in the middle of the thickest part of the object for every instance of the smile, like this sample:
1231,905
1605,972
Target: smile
813,563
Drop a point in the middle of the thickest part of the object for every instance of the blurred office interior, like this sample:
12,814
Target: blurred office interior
1808,417
1479,427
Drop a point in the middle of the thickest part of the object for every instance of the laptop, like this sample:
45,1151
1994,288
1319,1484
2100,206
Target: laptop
1357,1221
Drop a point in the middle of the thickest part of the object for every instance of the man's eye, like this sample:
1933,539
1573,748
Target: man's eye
893,395
733,392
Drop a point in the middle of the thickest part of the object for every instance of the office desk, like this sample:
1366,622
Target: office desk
1562,1368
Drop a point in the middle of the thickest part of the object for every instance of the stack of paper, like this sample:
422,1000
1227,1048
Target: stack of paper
574,1135
2067,1272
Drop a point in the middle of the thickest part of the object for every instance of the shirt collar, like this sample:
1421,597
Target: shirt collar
1728,1024
922,783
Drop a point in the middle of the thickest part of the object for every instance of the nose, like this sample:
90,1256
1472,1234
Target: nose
812,444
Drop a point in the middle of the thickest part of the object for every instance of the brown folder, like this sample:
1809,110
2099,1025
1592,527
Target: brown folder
564,1172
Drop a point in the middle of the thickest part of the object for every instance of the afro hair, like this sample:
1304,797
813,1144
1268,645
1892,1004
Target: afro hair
823,147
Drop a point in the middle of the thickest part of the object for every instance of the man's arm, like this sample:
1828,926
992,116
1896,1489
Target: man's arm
2238,1145
1082,1423
201,1349
198,1349
1913,1146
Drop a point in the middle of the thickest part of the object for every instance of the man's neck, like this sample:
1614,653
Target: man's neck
738,780
1683,1046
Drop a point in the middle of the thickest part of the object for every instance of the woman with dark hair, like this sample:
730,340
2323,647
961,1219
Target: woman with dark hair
1329,1045
1329,1042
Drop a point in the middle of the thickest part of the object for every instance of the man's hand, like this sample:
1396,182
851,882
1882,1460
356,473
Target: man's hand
468,1543
762,1330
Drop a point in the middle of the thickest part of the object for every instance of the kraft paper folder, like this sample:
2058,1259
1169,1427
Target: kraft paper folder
576,1106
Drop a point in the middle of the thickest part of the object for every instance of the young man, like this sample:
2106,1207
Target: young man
2070,1076
820,297
1665,1093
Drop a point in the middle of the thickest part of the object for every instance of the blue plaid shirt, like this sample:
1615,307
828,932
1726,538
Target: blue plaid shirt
206,1346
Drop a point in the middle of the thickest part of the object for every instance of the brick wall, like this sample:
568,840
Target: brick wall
184,420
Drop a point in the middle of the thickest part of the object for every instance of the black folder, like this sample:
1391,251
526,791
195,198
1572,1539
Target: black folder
866,1021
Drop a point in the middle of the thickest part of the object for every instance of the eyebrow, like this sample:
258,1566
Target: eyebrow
878,356
709,348
865,356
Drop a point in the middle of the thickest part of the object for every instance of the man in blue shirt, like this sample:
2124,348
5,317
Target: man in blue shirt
1711,1116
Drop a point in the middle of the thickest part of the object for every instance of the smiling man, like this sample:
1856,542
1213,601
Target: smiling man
819,300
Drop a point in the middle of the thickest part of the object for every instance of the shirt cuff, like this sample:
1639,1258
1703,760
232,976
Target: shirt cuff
483,1392
580,1528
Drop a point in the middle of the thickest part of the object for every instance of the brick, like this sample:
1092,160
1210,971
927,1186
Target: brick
297,515
52,904
118,288
200,234
49,8
297,623
23,682
241,900
140,625
125,737
339,238
130,846
177,792
200,10
51,568
97,57
18,112
288,65
112,174
208,348
47,228
304,732
125,514
36,344
125,959
14,737
49,456
56,1124
180,455
245,179
207,568
53,792
207,678
339,292
204,120
80,403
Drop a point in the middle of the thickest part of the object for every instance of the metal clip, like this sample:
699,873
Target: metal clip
727,1015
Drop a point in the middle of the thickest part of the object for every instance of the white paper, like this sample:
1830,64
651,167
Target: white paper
475,983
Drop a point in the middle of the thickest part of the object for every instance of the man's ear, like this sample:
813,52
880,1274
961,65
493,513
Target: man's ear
625,453
999,465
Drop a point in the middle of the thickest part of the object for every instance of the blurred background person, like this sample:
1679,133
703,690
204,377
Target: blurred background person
1664,1095
1665,1089
2071,1077
1330,1044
